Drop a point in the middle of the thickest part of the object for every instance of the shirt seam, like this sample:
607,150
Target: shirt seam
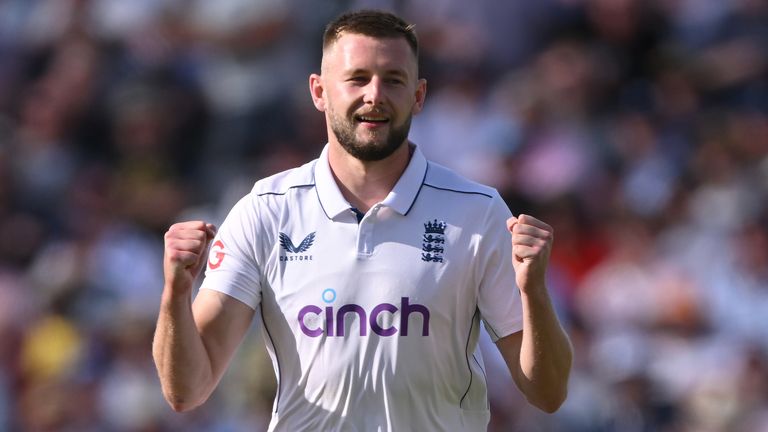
466,355
458,191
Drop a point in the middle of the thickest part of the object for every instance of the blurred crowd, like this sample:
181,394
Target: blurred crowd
637,128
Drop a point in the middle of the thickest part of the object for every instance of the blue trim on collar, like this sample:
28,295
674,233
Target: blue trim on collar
400,199
406,190
331,199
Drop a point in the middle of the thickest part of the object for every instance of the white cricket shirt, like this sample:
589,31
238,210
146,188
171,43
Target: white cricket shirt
372,325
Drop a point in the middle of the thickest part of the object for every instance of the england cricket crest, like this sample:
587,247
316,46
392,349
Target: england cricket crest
433,241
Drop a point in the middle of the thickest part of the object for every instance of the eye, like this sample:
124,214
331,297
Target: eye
358,79
395,81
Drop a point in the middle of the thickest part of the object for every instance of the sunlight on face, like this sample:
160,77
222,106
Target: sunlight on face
371,93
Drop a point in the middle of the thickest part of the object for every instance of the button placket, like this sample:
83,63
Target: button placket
365,232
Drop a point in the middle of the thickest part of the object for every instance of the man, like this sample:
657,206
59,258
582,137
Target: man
370,268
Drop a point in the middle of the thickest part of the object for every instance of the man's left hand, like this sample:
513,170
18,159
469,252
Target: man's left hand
531,246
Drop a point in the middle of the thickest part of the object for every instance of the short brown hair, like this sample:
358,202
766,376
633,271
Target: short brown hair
374,23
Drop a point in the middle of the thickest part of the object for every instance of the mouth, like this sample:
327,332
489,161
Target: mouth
372,119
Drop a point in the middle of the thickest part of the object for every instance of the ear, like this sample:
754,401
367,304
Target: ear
421,93
317,91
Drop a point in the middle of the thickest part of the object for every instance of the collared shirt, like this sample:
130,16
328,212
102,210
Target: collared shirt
372,324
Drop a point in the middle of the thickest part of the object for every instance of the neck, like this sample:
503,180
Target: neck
363,183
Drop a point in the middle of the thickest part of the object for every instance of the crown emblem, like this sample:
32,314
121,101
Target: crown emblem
435,227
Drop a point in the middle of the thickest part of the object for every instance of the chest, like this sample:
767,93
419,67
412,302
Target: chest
379,273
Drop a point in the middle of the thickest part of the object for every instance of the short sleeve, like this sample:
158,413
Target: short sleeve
232,266
498,297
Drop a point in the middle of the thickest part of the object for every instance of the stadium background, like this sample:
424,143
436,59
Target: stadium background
638,129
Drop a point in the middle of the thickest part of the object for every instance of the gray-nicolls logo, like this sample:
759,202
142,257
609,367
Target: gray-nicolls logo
433,241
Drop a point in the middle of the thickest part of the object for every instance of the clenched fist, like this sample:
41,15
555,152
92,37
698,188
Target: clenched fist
531,246
186,246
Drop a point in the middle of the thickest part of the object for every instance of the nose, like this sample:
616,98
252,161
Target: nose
374,92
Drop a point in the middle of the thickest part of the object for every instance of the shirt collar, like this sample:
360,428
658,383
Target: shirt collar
402,196
399,199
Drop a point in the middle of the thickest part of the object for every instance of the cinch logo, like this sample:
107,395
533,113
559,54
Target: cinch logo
334,320
304,246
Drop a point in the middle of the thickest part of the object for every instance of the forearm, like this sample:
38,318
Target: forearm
545,352
182,361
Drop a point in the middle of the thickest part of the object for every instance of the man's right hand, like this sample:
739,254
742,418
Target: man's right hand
186,246
194,340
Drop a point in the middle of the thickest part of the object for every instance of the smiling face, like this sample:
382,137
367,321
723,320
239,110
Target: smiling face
369,90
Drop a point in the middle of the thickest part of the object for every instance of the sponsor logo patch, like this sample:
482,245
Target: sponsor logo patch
293,252
385,319
216,255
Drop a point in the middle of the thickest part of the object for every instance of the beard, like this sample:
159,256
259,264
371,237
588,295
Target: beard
380,145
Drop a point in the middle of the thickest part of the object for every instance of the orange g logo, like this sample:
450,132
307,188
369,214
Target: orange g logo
216,256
